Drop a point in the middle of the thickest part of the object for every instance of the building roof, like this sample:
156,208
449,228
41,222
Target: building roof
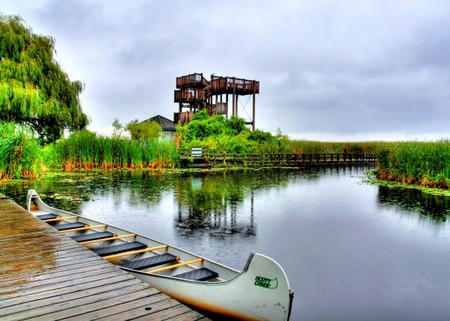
166,124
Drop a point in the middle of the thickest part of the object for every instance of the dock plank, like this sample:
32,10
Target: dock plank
152,310
143,307
84,264
65,263
168,313
107,300
45,275
126,310
59,285
63,297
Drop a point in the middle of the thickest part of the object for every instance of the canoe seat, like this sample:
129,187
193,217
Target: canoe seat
150,261
69,226
115,249
92,236
202,274
50,216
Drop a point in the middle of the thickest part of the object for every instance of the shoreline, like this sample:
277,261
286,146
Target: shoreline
372,180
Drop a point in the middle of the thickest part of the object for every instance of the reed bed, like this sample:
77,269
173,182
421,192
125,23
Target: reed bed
422,163
88,150
19,152
317,147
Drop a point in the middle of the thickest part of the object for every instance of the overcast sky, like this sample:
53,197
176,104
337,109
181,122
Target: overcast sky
328,70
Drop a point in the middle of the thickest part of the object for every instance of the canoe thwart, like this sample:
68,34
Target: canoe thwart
59,218
148,249
170,267
111,238
150,261
87,227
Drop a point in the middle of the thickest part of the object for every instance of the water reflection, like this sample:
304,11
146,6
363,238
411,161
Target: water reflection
436,208
351,251
209,202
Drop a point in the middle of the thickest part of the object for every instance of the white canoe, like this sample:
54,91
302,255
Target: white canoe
259,292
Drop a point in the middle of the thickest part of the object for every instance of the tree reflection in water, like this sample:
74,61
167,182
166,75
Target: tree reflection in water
436,208
210,201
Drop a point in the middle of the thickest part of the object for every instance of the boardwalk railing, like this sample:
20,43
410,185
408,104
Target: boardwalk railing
294,160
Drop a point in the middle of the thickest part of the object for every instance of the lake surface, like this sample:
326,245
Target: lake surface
352,251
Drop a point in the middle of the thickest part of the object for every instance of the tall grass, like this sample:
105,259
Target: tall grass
312,147
85,149
19,152
422,163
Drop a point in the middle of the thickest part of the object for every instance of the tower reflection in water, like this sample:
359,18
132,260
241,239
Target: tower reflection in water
206,204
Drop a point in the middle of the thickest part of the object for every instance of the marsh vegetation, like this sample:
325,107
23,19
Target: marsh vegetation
39,103
23,155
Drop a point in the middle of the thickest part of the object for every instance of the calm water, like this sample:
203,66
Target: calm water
352,251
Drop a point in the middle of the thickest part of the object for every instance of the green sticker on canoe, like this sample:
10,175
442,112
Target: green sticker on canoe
266,283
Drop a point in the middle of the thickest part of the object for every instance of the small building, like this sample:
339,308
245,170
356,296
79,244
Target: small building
168,127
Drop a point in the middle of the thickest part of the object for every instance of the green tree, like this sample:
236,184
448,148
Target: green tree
118,128
261,136
216,133
33,88
203,126
236,125
201,115
144,130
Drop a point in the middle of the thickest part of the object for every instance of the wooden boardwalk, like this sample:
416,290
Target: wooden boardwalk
278,160
45,275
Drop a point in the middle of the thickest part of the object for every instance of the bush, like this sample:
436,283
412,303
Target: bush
215,133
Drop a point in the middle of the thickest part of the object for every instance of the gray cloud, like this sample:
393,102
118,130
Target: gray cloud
342,68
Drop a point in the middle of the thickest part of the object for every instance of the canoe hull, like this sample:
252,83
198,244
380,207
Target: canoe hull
260,292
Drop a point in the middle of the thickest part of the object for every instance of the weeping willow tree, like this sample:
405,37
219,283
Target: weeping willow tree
33,88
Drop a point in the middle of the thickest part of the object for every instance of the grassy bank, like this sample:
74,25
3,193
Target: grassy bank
22,156
85,149
421,163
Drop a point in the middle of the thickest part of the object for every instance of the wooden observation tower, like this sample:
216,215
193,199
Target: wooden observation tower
194,92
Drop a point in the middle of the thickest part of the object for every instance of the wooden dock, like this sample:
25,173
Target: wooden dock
45,275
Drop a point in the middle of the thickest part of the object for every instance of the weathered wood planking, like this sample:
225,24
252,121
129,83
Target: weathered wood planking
44,275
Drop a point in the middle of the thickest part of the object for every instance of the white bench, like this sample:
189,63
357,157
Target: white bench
196,152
